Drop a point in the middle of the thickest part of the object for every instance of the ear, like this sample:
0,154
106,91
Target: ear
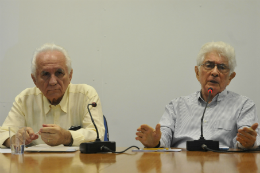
197,72
34,79
70,75
231,77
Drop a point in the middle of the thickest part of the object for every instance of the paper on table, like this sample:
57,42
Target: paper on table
157,150
5,150
47,148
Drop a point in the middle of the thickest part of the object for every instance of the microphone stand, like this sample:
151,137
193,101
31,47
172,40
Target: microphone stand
199,145
97,146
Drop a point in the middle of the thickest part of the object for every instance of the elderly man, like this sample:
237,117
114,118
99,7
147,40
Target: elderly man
54,105
230,118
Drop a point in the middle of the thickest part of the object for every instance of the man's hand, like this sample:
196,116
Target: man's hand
247,136
29,136
54,135
148,136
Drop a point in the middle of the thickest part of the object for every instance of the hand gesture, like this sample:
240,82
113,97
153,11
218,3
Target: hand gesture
148,136
54,135
28,133
247,136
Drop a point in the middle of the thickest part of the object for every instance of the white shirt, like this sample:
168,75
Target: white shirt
225,114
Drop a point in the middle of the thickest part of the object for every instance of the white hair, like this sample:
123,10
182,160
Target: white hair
223,49
49,47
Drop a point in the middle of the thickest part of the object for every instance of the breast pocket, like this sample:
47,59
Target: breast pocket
224,125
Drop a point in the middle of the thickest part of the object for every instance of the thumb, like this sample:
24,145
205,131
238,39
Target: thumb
158,129
254,126
48,125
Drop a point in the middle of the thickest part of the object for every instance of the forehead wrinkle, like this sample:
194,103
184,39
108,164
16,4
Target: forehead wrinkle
216,57
216,63
51,59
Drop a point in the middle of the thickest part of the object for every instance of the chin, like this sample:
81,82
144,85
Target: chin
54,96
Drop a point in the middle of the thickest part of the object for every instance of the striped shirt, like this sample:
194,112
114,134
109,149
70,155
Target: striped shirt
225,114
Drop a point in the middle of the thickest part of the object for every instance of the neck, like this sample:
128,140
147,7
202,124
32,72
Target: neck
205,97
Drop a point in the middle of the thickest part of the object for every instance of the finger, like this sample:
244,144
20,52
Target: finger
246,142
247,132
35,137
30,132
139,134
244,138
137,138
254,126
145,127
242,142
140,139
139,128
22,135
49,125
48,130
44,138
158,129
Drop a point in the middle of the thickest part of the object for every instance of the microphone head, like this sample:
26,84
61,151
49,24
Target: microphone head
94,104
210,90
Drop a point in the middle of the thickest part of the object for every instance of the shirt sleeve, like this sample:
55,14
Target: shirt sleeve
247,118
167,123
88,132
15,118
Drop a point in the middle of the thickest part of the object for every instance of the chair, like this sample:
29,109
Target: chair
106,137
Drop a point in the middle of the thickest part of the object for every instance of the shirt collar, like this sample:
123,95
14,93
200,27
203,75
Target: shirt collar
218,97
63,103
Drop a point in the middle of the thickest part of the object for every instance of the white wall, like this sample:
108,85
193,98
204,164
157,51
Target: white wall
137,54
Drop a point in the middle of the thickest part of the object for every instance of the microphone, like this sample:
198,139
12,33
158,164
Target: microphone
210,90
93,104
199,145
98,145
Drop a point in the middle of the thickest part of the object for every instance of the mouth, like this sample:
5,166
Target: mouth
53,90
212,81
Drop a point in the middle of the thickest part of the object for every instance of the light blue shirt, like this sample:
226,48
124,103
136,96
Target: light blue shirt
225,114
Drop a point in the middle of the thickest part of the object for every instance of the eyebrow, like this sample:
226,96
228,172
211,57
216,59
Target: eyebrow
44,72
215,63
60,70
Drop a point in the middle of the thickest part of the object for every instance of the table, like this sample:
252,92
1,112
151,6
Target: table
131,162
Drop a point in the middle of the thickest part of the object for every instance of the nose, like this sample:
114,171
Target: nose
215,72
53,80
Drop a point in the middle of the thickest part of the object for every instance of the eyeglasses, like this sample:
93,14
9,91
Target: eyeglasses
222,68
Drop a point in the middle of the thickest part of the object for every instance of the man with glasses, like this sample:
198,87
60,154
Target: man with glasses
230,118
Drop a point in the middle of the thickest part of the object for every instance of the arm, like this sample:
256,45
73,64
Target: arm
88,132
15,118
248,130
168,125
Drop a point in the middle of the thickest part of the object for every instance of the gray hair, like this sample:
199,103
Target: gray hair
49,47
223,49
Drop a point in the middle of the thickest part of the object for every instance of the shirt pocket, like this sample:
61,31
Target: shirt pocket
224,125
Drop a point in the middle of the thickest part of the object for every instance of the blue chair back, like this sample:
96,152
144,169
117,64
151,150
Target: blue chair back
106,137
